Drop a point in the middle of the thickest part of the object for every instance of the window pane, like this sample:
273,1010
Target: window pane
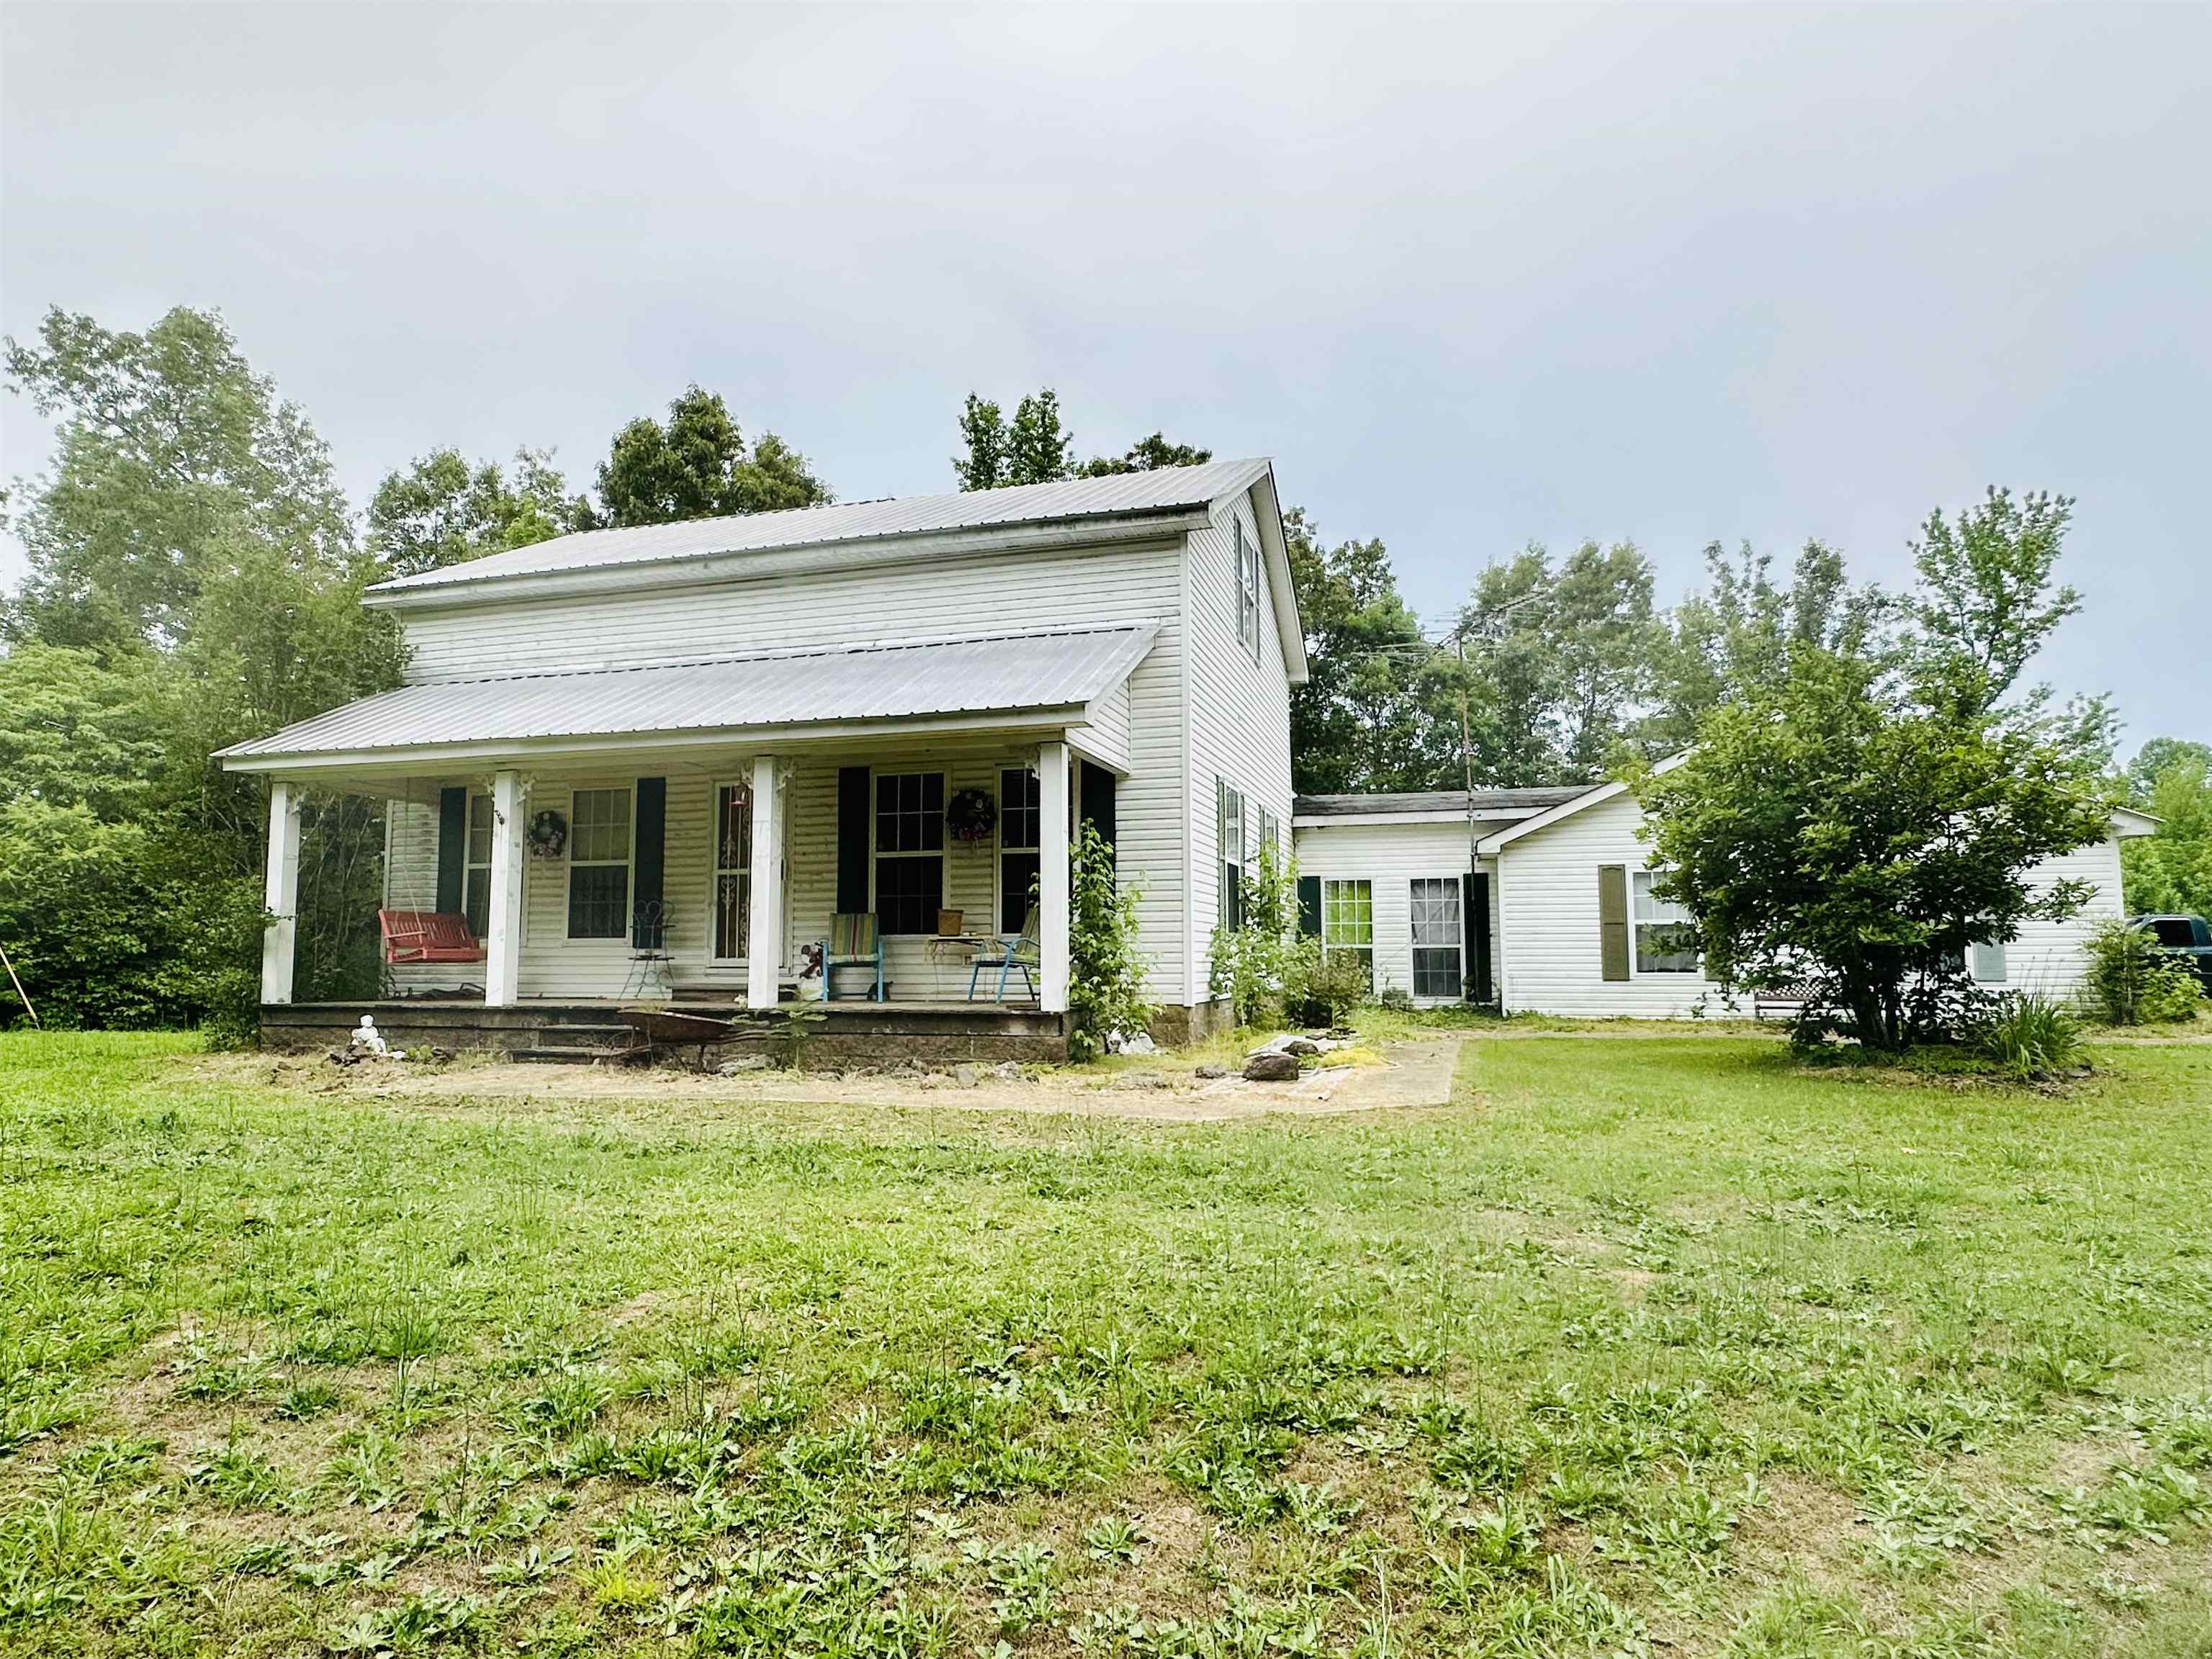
1665,947
1347,916
1989,959
1018,810
1435,913
477,904
909,812
479,829
733,830
909,892
1435,973
1017,877
1651,908
598,900
599,826
733,893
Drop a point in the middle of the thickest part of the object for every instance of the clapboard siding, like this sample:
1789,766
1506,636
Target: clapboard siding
1393,856
1139,728
1240,712
1548,899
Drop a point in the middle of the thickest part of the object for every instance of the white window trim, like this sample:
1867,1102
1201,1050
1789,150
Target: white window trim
628,863
944,869
469,865
1669,977
1368,881
1245,552
716,869
1413,946
999,856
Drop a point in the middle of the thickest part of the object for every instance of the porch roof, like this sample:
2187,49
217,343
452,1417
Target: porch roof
757,694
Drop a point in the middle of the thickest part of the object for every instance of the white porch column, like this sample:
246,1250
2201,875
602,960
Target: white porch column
1052,877
503,929
281,894
764,926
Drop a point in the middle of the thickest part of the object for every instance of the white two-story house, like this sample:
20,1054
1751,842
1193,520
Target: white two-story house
675,762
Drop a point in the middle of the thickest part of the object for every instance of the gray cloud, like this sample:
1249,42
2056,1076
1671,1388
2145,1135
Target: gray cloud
1473,278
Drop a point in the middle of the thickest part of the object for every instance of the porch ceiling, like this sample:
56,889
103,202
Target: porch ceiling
791,693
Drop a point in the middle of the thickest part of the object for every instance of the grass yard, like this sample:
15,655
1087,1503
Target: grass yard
1646,1344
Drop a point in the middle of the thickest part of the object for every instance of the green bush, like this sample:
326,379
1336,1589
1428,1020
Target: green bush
2132,982
2030,1034
1325,989
1105,968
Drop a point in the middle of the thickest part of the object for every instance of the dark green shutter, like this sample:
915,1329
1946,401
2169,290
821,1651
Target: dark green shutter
1309,906
1478,922
647,926
1097,801
1613,921
853,840
452,849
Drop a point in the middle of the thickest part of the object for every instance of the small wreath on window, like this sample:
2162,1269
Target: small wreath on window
549,835
970,817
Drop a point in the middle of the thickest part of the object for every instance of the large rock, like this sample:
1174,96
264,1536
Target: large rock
1272,1065
1301,1045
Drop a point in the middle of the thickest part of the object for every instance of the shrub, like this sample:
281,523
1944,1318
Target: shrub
1325,989
2132,983
1254,966
1105,968
2030,1034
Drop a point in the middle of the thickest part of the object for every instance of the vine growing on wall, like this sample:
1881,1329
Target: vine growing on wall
1105,966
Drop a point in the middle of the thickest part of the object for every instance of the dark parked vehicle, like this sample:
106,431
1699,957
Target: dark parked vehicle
2187,937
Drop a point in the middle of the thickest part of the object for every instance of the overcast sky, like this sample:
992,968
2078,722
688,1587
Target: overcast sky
1472,277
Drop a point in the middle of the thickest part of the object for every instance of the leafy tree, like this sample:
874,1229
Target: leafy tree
194,581
1372,713
1735,639
1146,455
1036,447
440,511
168,447
1863,819
2171,869
698,465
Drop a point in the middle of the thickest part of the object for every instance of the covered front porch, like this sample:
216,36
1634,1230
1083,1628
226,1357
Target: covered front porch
863,860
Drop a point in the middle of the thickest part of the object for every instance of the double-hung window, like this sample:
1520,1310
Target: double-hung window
733,870
1347,920
1247,589
909,851
1229,821
599,864
1018,821
1436,936
476,888
1666,933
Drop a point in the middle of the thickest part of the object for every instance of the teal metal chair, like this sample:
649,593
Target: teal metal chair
1022,954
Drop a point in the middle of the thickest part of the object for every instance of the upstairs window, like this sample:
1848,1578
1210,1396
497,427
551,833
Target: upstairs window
1247,589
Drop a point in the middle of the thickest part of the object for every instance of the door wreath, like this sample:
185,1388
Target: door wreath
970,817
549,835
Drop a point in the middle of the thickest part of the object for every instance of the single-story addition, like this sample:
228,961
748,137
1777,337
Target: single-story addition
1541,900
688,761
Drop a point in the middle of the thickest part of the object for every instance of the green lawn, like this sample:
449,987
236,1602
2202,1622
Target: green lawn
1644,1345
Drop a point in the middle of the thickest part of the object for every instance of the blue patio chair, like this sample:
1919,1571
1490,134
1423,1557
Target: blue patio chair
854,941
1013,953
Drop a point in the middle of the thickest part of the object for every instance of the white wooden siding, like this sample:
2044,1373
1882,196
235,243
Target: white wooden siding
1240,711
1546,897
1140,729
1393,856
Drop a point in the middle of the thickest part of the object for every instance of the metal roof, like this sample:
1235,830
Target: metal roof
1430,801
1059,670
1162,489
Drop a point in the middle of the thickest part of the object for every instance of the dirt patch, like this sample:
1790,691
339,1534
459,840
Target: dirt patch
1410,1074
